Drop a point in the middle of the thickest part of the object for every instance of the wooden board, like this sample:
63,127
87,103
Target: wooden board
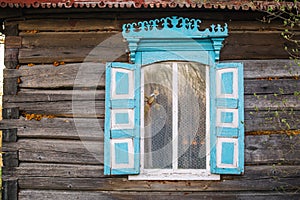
71,54
116,24
122,184
96,171
95,108
272,102
65,123
255,120
73,75
274,120
141,13
36,95
55,170
272,86
272,149
68,39
110,195
253,46
259,149
48,76
89,109
9,189
50,48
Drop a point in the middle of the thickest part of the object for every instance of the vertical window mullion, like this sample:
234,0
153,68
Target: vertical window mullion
142,129
175,116
207,121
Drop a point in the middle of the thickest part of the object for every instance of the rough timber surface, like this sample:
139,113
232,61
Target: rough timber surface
259,149
106,195
122,184
62,157
91,74
256,46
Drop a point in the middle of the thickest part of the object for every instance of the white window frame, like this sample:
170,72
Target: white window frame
174,173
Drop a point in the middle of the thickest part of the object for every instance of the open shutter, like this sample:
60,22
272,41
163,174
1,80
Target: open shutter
122,119
227,119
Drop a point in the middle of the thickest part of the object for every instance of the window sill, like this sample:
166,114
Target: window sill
178,175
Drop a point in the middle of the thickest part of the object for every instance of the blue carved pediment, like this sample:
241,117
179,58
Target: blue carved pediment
173,34
170,26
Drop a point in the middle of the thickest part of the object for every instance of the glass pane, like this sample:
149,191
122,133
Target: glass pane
191,115
158,116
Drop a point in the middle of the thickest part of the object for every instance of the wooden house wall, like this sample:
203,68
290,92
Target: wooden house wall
46,158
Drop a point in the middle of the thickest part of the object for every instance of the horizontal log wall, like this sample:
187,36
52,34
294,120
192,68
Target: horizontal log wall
55,111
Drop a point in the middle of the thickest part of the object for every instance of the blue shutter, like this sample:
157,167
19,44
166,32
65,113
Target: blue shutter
227,119
122,119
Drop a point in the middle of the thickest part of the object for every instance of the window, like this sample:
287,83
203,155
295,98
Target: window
173,127
176,113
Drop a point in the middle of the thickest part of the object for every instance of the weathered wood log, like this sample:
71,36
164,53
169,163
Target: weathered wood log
13,42
238,183
60,151
10,158
69,25
56,170
10,86
74,39
36,95
91,133
10,189
272,149
142,13
96,171
88,74
258,89
236,46
11,28
254,121
65,123
89,109
11,113
269,68
95,108
253,46
259,149
69,76
110,195
281,86
64,128
116,24
66,54
273,120
103,50
272,102
11,58
9,135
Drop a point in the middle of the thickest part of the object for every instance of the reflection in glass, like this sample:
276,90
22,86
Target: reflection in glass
158,116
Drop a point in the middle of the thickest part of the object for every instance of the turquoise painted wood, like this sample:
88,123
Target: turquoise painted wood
121,150
227,81
165,39
227,119
227,152
123,82
172,34
122,119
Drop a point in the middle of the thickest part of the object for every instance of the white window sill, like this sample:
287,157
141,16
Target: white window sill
178,175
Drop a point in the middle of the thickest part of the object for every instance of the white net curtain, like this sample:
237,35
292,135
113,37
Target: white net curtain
159,113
